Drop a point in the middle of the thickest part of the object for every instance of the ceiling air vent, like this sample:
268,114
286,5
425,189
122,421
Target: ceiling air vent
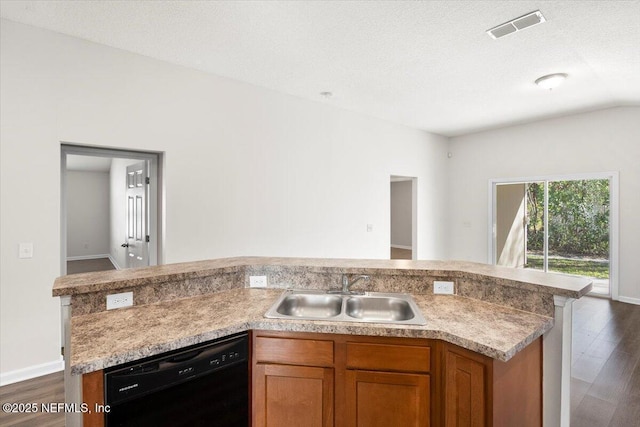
528,20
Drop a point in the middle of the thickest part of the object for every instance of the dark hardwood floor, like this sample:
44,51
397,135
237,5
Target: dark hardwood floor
605,377
45,389
87,265
397,253
605,383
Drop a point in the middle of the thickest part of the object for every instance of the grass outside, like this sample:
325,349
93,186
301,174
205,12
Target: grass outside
598,269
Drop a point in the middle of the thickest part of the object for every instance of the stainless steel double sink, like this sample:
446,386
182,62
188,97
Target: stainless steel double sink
370,307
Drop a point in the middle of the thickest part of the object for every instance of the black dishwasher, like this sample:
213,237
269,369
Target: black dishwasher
202,385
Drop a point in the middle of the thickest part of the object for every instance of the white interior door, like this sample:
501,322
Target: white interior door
137,238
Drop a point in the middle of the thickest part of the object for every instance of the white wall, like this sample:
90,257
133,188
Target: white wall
401,213
87,213
247,170
601,141
118,209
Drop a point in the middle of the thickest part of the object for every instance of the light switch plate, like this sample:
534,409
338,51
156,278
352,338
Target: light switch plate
124,299
25,250
440,287
257,281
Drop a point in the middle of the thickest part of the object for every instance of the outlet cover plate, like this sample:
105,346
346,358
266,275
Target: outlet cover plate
440,287
257,281
124,299
25,250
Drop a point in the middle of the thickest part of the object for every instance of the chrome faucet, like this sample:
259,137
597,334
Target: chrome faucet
346,285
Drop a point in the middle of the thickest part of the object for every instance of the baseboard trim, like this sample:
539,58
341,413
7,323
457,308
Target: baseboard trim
629,300
84,257
402,247
30,372
115,264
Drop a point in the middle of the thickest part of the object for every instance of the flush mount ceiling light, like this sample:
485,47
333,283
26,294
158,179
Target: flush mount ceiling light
517,24
551,81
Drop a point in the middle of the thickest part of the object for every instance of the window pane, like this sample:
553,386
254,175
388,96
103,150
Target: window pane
579,229
535,225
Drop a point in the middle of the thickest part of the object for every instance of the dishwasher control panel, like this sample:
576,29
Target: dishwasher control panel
125,382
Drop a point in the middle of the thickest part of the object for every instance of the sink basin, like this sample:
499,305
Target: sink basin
382,309
372,307
310,305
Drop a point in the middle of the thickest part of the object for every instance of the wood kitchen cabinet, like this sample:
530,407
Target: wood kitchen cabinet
293,396
293,382
479,391
382,399
465,388
346,381
359,381
387,384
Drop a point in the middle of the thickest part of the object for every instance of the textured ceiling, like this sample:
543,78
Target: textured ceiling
428,65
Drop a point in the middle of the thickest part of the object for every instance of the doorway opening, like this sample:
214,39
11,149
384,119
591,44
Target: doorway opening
565,225
403,217
110,216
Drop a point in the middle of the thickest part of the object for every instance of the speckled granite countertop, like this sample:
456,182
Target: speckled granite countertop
108,338
567,286
496,311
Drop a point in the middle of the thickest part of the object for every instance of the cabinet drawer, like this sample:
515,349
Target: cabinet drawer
294,351
384,357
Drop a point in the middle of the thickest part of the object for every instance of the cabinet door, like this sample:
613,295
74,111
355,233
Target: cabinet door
286,396
465,391
383,399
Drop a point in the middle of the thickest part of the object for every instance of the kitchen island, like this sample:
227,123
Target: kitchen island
495,313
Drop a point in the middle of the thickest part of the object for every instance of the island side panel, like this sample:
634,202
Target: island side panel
93,396
517,388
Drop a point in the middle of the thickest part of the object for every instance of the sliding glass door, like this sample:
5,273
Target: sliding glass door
555,225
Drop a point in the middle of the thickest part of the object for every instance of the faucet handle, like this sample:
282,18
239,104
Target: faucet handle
346,284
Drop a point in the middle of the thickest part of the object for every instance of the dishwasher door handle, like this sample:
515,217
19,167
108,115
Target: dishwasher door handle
184,357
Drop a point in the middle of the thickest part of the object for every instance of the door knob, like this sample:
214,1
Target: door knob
125,245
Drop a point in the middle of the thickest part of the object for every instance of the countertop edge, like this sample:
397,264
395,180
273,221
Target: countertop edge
340,328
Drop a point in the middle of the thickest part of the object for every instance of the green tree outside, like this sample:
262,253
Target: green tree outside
578,221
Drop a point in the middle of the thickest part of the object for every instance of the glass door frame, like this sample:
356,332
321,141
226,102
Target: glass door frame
613,178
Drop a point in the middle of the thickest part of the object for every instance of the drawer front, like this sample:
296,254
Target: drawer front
384,357
290,351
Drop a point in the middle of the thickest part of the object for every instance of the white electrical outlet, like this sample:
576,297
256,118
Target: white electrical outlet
257,281
124,299
442,287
